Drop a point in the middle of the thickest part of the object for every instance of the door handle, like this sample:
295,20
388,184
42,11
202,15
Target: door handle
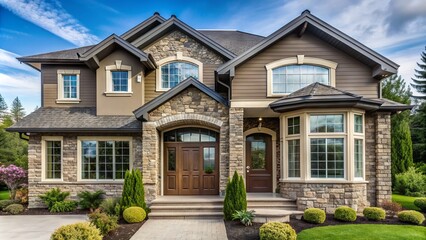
248,167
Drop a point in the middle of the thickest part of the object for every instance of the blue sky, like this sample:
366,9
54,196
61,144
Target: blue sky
395,28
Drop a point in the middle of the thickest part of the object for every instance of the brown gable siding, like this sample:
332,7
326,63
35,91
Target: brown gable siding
49,76
351,75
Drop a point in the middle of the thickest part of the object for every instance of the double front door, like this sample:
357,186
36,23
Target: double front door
191,169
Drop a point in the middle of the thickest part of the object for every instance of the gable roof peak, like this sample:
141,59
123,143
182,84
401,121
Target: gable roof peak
306,12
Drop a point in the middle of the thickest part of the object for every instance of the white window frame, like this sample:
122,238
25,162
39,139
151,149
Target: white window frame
360,136
289,137
177,58
112,138
61,99
44,140
109,84
298,60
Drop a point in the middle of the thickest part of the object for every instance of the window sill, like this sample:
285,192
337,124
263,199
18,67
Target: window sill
331,181
277,95
162,89
48,181
118,94
101,181
68,101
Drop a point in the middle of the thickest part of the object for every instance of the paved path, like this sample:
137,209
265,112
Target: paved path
34,227
182,229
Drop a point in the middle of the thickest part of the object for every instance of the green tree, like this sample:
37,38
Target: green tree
420,77
235,197
395,89
418,134
133,190
3,107
12,148
17,110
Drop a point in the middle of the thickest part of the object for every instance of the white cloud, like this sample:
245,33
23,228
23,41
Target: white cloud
53,18
8,60
19,83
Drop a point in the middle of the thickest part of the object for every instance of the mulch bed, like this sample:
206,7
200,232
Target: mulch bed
44,211
236,231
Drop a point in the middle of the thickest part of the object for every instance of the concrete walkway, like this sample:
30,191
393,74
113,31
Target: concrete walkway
182,229
34,227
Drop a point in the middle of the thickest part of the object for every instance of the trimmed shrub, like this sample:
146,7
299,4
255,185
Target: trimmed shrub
134,214
244,216
392,208
345,213
133,191
105,223
411,183
277,231
420,203
374,213
53,196
77,231
91,200
411,216
111,206
314,215
5,203
235,197
14,209
64,206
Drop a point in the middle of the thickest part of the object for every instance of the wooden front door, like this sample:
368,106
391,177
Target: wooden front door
259,162
191,168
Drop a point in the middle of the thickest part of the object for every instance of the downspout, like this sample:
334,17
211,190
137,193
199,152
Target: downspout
24,138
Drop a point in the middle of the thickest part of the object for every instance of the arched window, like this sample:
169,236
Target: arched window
173,73
287,79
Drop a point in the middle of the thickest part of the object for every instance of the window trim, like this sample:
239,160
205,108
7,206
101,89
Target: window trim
60,98
298,60
103,138
45,139
109,92
177,58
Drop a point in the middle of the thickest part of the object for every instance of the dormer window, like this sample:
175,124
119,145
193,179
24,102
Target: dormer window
176,69
68,86
287,75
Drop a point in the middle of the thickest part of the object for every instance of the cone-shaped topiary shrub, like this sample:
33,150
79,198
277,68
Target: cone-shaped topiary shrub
314,215
235,197
277,231
133,190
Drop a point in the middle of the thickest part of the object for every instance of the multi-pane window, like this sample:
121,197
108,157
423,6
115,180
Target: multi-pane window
359,158
327,158
293,158
209,158
190,135
358,123
104,159
53,160
175,72
293,125
287,79
70,86
120,81
326,123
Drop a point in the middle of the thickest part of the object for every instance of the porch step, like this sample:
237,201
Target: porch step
186,208
185,215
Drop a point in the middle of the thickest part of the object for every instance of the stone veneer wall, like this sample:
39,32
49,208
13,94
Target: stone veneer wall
190,107
69,170
274,125
356,195
236,141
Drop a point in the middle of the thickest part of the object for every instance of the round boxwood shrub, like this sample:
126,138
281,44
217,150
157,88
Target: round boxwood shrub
277,231
411,216
420,203
5,203
374,213
82,230
345,214
14,208
134,214
314,215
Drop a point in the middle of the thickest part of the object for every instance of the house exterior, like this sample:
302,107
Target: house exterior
298,112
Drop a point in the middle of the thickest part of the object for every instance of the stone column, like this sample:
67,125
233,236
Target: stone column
383,158
150,160
236,141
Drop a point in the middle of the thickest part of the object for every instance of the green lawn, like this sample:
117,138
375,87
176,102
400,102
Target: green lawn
4,195
364,232
406,201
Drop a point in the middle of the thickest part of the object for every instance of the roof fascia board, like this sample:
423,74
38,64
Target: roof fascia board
173,21
142,25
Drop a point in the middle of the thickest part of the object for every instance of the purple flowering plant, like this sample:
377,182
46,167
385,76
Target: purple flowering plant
13,177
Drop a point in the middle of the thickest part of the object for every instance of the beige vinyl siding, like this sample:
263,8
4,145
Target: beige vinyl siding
351,75
49,78
150,90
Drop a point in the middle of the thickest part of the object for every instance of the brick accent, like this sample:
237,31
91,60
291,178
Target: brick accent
236,140
383,158
37,187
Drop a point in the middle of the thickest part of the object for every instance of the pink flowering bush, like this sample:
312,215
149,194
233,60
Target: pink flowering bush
13,177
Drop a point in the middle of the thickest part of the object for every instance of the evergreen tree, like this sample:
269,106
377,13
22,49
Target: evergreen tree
394,88
133,190
235,197
126,195
420,77
3,108
139,193
17,110
418,133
